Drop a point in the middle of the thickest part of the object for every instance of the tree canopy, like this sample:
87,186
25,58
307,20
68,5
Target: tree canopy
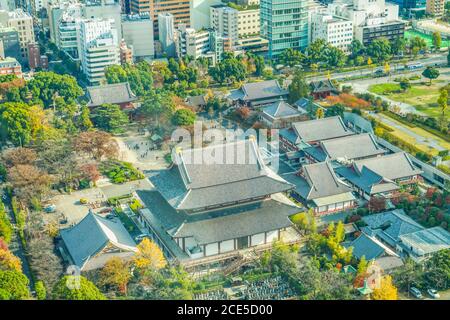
76,288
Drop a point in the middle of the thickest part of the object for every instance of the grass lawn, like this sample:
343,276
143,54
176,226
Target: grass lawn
422,96
423,147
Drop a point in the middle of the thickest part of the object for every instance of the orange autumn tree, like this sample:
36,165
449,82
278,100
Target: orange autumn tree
149,256
9,262
348,100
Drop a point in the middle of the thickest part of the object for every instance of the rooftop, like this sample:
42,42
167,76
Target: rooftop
92,234
321,129
217,175
261,90
280,109
347,148
392,166
390,225
110,93
427,241
318,181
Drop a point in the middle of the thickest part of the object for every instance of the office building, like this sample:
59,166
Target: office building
191,42
98,48
285,24
200,15
166,26
336,31
180,9
137,31
372,19
9,43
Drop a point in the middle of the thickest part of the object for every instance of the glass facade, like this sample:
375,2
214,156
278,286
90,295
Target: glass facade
285,24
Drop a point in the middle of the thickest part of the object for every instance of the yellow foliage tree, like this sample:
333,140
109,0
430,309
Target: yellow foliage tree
386,291
320,113
149,256
9,262
116,272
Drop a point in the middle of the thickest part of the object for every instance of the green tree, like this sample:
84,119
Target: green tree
380,50
15,122
46,85
398,45
315,51
437,268
157,106
183,117
362,266
405,84
356,48
443,100
437,40
229,70
334,57
110,118
448,57
14,285
298,87
76,288
291,57
417,44
41,292
430,73
84,120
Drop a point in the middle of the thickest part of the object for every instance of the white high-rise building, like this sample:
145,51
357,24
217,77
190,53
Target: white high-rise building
334,30
98,47
105,9
224,20
372,19
166,29
192,43
200,13
137,31
66,38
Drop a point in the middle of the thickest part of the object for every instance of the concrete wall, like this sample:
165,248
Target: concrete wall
258,239
226,246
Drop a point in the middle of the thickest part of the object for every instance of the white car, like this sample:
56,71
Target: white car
433,293
416,292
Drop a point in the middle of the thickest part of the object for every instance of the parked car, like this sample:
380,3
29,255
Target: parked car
106,210
416,292
141,237
433,293
50,208
110,217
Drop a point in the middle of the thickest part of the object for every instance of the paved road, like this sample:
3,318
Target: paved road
431,60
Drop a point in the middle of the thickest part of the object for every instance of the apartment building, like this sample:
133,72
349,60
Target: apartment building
249,23
191,42
336,31
180,9
98,48
435,7
224,20
9,43
23,23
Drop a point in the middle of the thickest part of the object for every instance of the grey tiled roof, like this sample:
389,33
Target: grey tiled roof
352,147
319,181
110,93
427,241
280,109
358,121
92,234
221,224
365,246
390,225
196,101
322,86
263,216
263,89
392,166
321,129
192,186
366,180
